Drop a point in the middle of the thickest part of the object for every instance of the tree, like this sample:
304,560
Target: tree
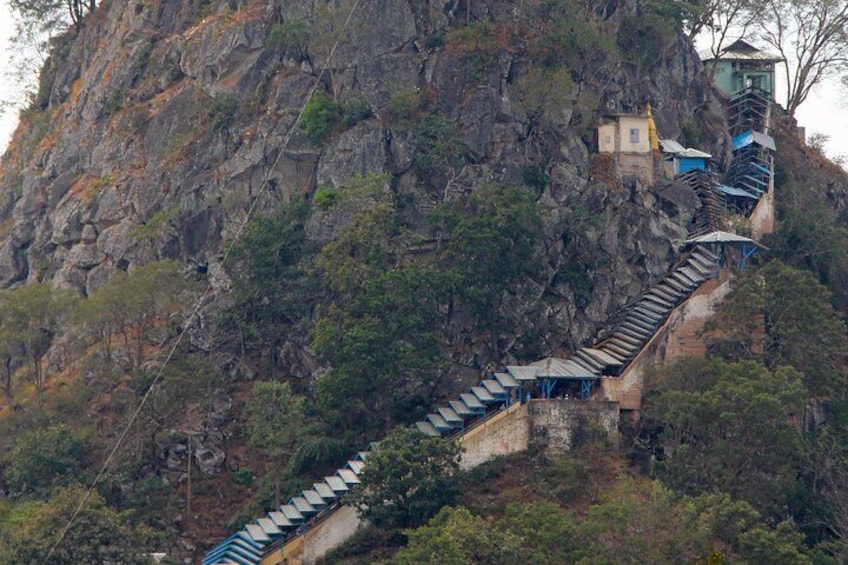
273,289
811,236
639,522
722,20
276,425
455,536
97,534
792,312
129,307
811,36
490,241
729,428
31,316
378,331
647,523
42,460
51,15
407,479
384,351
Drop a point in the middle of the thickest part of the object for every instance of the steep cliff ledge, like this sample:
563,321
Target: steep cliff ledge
171,118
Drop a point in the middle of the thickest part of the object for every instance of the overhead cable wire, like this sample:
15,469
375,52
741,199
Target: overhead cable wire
200,301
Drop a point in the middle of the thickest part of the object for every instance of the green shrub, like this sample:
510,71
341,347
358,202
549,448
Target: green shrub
354,112
480,45
243,476
403,107
320,116
325,197
292,36
222,110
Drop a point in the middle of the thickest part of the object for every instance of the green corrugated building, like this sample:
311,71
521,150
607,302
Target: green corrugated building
741,66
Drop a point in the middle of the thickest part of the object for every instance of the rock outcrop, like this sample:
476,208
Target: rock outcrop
161,123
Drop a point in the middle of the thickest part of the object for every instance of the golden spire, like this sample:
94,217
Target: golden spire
652,130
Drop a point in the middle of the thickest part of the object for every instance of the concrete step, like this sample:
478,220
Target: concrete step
620,335
615,350
624,346
639,336
588,360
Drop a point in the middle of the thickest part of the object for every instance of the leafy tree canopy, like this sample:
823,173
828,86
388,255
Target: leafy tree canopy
97,535
408,478
729,428
792,313
42,460
637,523
276,425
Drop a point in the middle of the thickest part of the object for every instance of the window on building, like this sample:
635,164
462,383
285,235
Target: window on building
634,135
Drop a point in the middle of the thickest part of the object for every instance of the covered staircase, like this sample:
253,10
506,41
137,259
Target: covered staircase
630,332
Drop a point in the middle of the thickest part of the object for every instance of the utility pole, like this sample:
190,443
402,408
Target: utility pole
189,434
188,481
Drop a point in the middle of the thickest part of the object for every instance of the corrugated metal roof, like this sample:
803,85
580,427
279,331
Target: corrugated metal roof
506,380
472,402
724,237
461,408
671,146
449,415
482,394
522,373
324,490
427,429
690,153
269,527
336,483
556,368
280,519
302,505
313,498
438,422
747,138
238,548
255,532
292,513
740,50
348,476
734,191
493,387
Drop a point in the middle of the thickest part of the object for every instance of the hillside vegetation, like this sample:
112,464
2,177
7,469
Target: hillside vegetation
238,281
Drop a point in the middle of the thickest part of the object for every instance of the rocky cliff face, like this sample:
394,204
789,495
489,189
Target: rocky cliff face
163,124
